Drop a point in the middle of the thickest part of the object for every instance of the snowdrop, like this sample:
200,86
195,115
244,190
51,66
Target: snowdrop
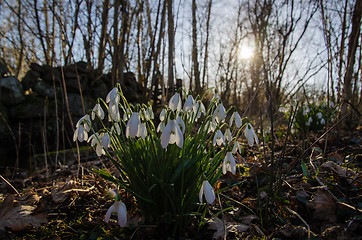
219,113
175,102
236,147
218,138
198,108
181,124
207,190
172,134
309,122
228,135
133,125
106,141
162,115
235,117
97,110
80,133
250,135
323,121
161,126
319,115
95,141
113,111
113,96
189,103
142,131
229,164
121,210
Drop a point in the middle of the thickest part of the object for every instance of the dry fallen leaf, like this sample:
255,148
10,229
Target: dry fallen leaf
19,217
342,172
218,225
59,192
324,206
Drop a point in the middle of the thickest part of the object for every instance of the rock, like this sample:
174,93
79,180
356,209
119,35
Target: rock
36,67
99,89
4,71
49,74
43,89
31,108
73,85
75,104
4,125
79,67
29,79
11,91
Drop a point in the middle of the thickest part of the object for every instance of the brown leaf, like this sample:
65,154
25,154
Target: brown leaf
19,217
218,225
340,171
324,206
59,192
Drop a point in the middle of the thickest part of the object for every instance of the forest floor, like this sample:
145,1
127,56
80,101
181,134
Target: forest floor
319,196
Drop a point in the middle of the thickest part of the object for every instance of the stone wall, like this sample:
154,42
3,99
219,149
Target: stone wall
31,108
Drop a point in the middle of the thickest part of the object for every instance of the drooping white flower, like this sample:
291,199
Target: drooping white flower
229,164
113,111
235,117
236,147
172,134
97,110
216,97
198,108
212,126
323,121
106,141
162,115
319,115
219,113
113,96
150,113
80,133
189,103
161,126
218,138
133,125
228,135
142,131
306,111
85,121
120,209
175,102
250,135
207,190
181,123
95,141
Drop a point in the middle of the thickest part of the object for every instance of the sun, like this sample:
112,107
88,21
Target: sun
246,52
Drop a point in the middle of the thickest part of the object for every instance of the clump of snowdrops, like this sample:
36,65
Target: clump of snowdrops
170,168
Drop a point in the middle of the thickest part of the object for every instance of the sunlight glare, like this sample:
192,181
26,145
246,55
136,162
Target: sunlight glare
246,52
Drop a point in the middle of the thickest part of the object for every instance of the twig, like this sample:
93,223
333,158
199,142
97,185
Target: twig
6,181
222,214
297,214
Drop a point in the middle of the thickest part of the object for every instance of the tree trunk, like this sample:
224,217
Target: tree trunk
171,41
194,50
351,59
103,36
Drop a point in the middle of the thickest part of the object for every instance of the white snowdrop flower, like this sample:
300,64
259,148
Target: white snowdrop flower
207,190
250,135
97,110
142,131
228,135
133,125
319,115
172,134
162,115
198,108
175,102
113,111
113,96
218,138
323,121
106,141
235,117
229,164
181,124
161,126
81,134
121,210
219,114
189,103
85,121
236,147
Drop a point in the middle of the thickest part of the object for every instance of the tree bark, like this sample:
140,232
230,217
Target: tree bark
171,41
